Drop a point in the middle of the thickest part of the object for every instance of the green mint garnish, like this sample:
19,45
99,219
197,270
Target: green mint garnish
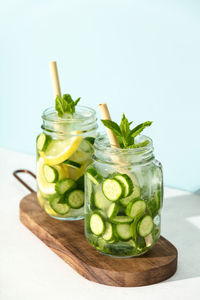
125,135
65,104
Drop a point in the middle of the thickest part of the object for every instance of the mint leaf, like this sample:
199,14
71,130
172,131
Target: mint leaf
124,126
77,101
65,104
60,106
113,126
125,135
138,129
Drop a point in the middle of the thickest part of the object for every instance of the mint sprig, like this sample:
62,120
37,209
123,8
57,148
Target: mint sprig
125,135
65,104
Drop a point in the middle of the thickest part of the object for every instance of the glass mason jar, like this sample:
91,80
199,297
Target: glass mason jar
123,199
64,150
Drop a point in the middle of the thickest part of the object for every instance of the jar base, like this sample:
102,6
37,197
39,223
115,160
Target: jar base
67,218
115,256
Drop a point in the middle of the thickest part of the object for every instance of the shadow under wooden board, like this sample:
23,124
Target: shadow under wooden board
66,239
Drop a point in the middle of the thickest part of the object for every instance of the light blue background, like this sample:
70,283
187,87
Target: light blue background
141,57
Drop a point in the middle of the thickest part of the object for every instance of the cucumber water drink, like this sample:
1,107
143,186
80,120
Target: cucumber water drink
64,150
124,194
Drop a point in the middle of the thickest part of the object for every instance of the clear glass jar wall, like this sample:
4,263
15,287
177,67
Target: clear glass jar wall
123,199
64,150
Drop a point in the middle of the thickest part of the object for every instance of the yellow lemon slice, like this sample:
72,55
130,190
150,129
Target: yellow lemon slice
60,150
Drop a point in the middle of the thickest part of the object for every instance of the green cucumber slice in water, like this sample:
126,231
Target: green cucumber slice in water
135,194
97,225
127,182
50,174
113,210
64,185
112,189
72,164
100,200
145,226
101,244
59,208
123,231
122,219
135,208
130,243
108,233
75,199
43,141
93,175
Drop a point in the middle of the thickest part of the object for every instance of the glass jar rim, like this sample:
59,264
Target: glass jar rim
86,114
102,144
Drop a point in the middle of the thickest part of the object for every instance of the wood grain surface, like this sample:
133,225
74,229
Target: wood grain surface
66,239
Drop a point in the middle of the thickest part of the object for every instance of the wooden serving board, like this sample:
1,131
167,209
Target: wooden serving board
66,239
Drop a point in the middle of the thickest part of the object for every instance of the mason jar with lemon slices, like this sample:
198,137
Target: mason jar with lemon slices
64,150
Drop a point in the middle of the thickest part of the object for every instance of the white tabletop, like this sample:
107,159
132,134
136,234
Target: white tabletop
30,270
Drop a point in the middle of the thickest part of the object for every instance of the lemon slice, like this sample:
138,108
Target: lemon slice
44,186
60,150
65,171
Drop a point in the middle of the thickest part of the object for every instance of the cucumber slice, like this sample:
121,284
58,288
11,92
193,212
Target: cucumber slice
93,175
123,231
100,200
113,210
101,244
135,194
122,219
126,182
45,187
130,243
59,208
43,141
135,208
50,173
80,183
72,164
112,189
145,226
75,199
97,225
108,234
64,185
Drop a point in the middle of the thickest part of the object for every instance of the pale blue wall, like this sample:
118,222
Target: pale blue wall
142,57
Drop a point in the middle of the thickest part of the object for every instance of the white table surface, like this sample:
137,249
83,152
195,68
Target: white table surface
30,270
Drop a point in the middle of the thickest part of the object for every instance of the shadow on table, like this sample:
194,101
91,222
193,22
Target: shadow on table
181,226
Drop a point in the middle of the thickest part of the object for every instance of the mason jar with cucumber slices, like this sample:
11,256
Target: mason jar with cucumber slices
64,150
124,195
